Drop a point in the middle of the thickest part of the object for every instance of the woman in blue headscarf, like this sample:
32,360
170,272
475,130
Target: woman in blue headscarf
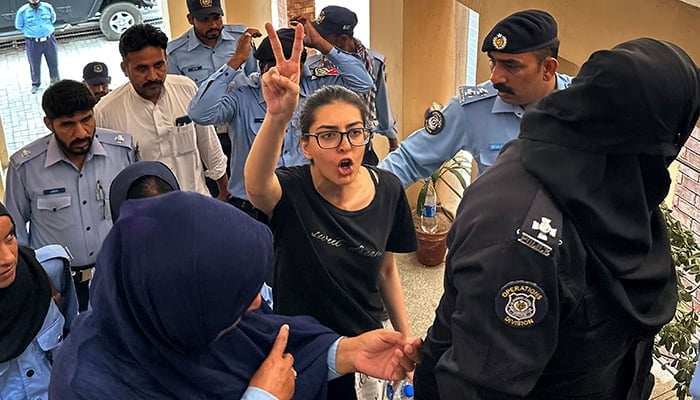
173,315
139,180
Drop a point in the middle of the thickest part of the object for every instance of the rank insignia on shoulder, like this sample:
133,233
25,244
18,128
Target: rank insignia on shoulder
434,119
119,139
521,304
320,72
26,153
467,94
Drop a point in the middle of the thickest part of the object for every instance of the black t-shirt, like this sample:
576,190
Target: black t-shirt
327,259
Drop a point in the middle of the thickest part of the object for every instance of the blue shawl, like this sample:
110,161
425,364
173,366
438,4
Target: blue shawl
173,273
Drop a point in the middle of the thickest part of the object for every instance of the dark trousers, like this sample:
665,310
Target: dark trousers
81,290
47,48
226,147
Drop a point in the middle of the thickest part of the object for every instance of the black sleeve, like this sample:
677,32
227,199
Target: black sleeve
499,316
402,238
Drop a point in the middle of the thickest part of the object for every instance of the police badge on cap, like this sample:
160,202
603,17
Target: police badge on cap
522,32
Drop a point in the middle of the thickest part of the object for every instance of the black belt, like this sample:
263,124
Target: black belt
82,273
248,208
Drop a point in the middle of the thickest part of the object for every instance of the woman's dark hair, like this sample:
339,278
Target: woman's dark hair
139,37
148,186
65,98
327,95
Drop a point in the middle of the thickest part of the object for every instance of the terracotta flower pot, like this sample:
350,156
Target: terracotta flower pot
431,247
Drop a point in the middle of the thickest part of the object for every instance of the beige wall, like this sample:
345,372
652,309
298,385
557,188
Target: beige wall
586,26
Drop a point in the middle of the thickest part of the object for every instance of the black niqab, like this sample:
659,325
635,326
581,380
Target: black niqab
23,304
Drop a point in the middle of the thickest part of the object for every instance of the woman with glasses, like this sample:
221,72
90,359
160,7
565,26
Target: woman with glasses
336,222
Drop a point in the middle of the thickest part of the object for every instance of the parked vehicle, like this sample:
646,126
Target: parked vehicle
114,16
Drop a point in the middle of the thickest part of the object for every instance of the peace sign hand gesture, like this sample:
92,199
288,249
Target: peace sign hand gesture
280,85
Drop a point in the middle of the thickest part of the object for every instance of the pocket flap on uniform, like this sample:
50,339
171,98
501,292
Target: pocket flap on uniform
53,202
51,333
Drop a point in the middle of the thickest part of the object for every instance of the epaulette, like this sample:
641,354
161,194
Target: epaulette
315,59
541,229
177,43
379,56
115,138
30,151
470,94
235,28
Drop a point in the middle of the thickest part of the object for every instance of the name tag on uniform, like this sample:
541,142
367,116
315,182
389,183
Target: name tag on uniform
495,146
192,69
54,191
258,120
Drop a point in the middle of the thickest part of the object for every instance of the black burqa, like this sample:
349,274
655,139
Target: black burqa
601,148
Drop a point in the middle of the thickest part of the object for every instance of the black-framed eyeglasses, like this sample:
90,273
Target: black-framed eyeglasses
331,139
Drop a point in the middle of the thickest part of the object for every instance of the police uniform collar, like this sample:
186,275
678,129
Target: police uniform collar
499,106
228,34
54,153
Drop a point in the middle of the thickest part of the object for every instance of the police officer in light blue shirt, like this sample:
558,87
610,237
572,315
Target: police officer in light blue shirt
229,96
523,51
59,184
35,20
208,45
337,24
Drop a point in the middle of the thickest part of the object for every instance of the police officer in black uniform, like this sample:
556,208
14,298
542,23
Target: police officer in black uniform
559,273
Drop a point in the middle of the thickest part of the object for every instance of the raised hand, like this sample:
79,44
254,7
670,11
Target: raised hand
276,375
312,37
280,85
243,48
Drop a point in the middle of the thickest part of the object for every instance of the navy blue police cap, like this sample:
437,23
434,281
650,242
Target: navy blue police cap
201,9
335,20
264,51
522,32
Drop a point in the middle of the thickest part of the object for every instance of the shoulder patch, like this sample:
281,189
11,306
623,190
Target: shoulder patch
434,119
377,55
470,94
541,230
114,138
235,28
521,304
320,72
30,151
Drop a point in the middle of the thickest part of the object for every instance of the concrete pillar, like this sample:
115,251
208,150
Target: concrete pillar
419,39
252,13
176,12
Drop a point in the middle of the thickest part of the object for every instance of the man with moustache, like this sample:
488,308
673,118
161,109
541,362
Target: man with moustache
59,184
522,49
35,19
96,78
208,45
154,110
201,50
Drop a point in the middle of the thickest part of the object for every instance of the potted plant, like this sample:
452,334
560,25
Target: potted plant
451,177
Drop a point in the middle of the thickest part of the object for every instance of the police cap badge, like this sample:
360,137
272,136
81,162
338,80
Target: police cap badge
522,32
434,120
521,304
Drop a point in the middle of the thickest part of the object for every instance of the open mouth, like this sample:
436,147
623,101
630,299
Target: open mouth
345,167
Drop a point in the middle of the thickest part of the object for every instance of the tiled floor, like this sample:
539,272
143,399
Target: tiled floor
20,110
